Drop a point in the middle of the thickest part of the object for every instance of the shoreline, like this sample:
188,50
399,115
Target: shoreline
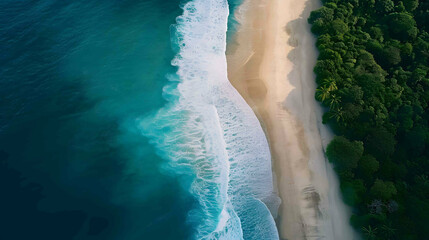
270,63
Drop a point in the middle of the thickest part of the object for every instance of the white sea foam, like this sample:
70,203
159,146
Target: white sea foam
208,131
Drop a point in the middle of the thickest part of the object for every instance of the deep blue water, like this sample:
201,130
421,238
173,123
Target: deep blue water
72,74
76,77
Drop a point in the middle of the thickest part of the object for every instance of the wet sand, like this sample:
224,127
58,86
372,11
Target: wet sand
270,62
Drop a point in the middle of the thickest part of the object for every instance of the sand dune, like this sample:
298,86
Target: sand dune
270,63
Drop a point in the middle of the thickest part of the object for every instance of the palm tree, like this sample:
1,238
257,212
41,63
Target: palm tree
330,84
334,101
333,86
338,114
388,230
322,93
370,232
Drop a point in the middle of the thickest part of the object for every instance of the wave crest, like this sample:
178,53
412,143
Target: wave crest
208,132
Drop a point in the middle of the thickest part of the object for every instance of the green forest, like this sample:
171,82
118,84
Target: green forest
372,77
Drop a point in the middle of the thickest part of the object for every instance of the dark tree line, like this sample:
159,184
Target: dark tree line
372,76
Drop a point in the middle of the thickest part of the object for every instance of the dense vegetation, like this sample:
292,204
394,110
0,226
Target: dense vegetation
372,76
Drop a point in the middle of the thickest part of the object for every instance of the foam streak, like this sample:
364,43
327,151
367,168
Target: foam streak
209,133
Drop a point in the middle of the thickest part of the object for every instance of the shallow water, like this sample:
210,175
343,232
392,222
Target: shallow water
209,133
86,87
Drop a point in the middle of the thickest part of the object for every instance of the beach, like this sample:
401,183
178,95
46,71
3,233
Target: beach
270,62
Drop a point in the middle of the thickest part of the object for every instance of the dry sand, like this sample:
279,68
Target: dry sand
270,63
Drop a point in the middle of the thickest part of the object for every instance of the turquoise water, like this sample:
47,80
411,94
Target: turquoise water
116,124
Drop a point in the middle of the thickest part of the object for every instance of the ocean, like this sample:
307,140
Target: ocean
118,121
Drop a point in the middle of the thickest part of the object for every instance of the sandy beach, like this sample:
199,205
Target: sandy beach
270,63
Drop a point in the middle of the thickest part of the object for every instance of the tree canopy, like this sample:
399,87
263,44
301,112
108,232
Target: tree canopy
344,153
372,75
